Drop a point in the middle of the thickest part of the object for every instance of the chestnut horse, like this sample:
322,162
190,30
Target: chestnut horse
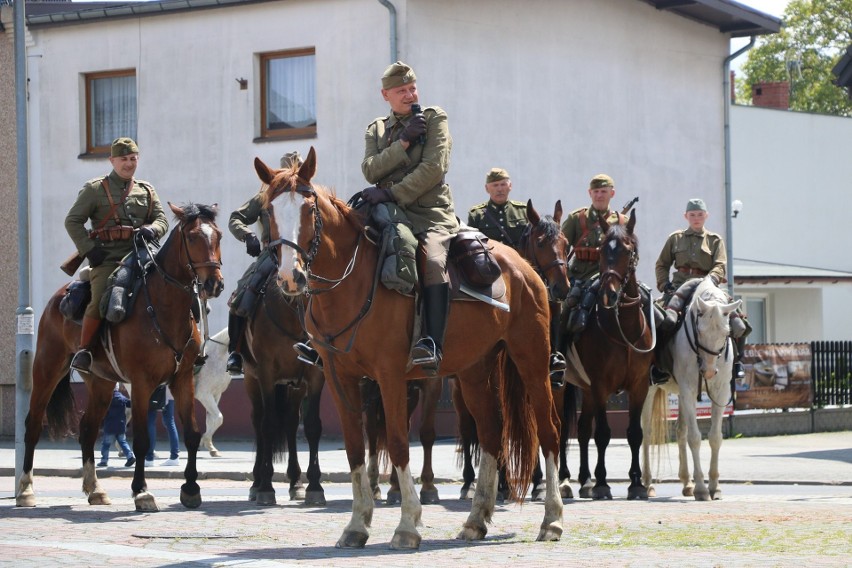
277,383
363,329
615,353
156,344
703,360
544,246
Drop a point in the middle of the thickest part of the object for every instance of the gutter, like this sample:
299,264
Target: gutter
729,227
392,13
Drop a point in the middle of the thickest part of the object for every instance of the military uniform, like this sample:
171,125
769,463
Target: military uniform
694,255
504,223
585,236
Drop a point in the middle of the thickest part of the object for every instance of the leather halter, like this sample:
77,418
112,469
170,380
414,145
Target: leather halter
526,247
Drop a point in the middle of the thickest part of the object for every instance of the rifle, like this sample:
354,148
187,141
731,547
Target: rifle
629,205
71,264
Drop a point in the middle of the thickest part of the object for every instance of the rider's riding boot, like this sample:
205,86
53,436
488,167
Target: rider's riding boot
307,354
82,361
557,369
658,376
236,331
738,370
436,306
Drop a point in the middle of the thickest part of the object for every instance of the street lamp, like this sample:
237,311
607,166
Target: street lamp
736,207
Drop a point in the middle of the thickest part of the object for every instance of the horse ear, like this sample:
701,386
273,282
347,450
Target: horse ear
309,167
557,211
263,171
532,214
176,210
631,224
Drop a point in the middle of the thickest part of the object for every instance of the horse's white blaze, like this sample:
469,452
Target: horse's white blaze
207,231
287,212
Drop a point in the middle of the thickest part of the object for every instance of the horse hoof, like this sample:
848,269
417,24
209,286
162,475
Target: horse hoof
405,540
190,501
297,494
99,497
214,453
265,498
26,499
500,498
315,497
472,532
253,493
429,497
394,497
652,491
145,503
466,493
687,491
377,494
716,495
351,539
537,495
550,533
602,493
702,496
637,493
566,492
586,492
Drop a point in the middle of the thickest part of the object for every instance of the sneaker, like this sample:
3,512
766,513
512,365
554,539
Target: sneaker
149,463
130,462
102,463
171,462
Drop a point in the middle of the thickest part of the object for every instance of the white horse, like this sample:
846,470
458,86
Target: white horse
210,382
703,360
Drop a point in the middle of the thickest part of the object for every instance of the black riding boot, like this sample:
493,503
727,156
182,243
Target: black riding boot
658,376
236,330
738,370
307,354
436,306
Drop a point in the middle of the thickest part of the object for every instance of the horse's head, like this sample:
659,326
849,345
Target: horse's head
546,249
619,255
708,316
300,211
200,242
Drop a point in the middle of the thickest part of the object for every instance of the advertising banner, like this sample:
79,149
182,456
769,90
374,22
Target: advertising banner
776,376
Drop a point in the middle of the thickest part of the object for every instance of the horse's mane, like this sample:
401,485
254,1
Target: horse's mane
548,227
192,211
356,216
619,232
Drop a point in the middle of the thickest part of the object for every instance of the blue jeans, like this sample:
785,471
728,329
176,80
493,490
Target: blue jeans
107,441
171,429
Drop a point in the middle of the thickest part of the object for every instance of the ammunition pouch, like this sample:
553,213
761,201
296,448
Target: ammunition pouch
113,233
587,254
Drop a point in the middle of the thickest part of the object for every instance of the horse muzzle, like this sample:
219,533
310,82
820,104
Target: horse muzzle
293,282
214,285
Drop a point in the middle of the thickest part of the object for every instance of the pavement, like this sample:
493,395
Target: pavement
821,458
787,502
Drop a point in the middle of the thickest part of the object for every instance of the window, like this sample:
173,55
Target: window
110,108
288,94
755,309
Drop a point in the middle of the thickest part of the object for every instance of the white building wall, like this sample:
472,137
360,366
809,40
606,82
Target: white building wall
553,91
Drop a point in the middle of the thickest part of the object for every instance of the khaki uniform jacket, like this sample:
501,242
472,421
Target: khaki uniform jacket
93,204
703,251
251,212
582,269
510,216
415,177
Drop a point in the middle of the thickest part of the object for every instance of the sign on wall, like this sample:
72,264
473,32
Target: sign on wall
776,376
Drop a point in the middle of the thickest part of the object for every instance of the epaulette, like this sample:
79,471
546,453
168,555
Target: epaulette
518,203
577,211
143,183
480,206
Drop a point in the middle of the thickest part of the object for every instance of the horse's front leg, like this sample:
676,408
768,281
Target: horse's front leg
314,495
584,434
637,396
431,394
603,434
143,500
565,401
100,395
683,474
395,401
693,438
295,395
715,440
183,390
213,419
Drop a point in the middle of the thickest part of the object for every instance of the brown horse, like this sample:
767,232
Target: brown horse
156,344
363,329
544,246
277,383
614,353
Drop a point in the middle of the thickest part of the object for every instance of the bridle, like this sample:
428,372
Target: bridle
526,247
697,348
623,300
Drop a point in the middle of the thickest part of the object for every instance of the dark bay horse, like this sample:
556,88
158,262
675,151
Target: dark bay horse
545,247
157,343
363,329
614,353
277,384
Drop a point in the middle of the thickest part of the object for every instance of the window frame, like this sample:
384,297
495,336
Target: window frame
89,79
283,133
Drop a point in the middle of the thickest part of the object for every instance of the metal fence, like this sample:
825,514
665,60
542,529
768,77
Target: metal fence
831,370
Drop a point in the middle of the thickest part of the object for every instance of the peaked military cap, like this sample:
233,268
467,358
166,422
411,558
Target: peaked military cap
696,205
397,75
291,159
123,147
496,174
601,180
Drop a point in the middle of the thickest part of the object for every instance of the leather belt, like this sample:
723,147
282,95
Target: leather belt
692,271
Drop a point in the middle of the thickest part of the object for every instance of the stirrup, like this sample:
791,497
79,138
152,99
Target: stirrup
82,361
307,354
425,352
557,362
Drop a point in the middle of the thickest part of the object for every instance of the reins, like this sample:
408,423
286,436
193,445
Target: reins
696,347
527,249
622,300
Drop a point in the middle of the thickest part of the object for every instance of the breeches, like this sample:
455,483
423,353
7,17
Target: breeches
98,278
432,252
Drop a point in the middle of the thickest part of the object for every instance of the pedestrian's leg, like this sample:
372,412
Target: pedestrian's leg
171,428
106,442
152,435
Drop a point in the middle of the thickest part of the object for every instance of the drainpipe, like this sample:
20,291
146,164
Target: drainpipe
392,12
729,227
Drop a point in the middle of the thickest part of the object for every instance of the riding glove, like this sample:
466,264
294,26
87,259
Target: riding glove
376,195
415,128
147,233
252,245
96,256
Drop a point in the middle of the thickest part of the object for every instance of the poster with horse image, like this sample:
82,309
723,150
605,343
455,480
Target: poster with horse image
776,376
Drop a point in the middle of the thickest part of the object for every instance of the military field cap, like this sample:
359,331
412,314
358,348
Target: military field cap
122,147
397,75
496,174
601,180
696,205
291,159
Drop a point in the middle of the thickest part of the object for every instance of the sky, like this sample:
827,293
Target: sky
773,8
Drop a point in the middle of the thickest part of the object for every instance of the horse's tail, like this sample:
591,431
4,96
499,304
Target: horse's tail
569,412
374,410
278,435
62,416
659,433
520,432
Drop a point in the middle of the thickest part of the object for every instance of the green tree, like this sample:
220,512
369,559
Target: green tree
815,35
